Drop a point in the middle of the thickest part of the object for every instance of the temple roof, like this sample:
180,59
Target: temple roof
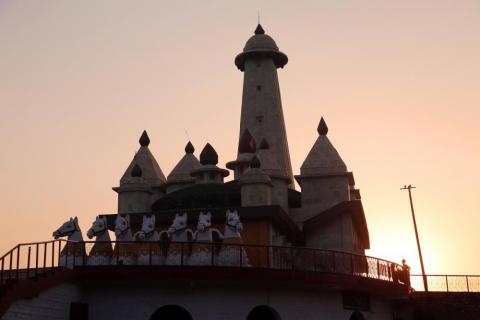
269,164
261,43
185,166
323,158
150,169
208,156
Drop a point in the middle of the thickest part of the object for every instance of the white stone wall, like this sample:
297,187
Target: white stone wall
134,201
280,193
321,194
337,234
258,194
49,305
140,301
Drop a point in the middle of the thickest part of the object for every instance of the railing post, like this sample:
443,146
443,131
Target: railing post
10,267
74,245
211,254
28,260
149,253
44,256
378,268
334,262
446,282
351,264
83,247
18,261
466,278
241,255
60,251
292,257
53,254
117,246
1,273
181,254
36,259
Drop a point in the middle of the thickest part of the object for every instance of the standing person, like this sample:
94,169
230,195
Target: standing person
406,273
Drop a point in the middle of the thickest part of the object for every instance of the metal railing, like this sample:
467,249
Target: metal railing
447,283
31,259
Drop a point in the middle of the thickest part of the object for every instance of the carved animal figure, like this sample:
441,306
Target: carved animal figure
102,252
149,251
73,252
231,253
124,252
202,247
178,232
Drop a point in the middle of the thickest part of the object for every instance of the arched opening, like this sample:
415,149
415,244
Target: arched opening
171,312
357,316
263,313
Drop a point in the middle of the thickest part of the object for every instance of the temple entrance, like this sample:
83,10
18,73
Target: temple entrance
171,312
263,313
357,316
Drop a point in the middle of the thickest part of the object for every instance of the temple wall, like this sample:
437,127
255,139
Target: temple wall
134,201
321,194
224,303
49,305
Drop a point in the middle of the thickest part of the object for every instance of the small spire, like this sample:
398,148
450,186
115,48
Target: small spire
259,29
136,171
264,144
189,148
322,127
208,155
144,139
247,143
255,163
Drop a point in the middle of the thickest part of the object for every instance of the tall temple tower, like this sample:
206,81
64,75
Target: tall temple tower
262,115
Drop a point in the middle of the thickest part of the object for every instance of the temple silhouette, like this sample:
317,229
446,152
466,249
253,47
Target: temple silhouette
228,241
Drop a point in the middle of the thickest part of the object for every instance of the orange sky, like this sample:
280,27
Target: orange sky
397,82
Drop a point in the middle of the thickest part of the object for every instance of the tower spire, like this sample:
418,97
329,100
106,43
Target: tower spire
262,114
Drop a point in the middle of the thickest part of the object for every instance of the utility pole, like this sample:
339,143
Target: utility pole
409,188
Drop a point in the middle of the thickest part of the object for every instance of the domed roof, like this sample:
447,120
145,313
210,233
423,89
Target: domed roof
261,43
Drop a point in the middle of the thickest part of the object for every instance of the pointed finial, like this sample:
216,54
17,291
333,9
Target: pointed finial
247,143
189,148
264,144
258,13
136,171
208,155
144,139
322,128
259,29
255,163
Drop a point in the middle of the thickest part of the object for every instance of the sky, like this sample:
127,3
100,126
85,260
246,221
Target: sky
396,81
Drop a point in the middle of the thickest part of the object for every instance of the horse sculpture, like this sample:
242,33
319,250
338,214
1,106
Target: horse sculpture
149,250
178,232
74,251
102,252
124,253
202,248
231,253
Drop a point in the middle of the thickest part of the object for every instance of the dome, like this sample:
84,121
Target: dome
261,44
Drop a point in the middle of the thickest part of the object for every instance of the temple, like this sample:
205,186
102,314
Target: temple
215,240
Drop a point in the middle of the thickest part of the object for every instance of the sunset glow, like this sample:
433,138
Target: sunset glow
396,81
